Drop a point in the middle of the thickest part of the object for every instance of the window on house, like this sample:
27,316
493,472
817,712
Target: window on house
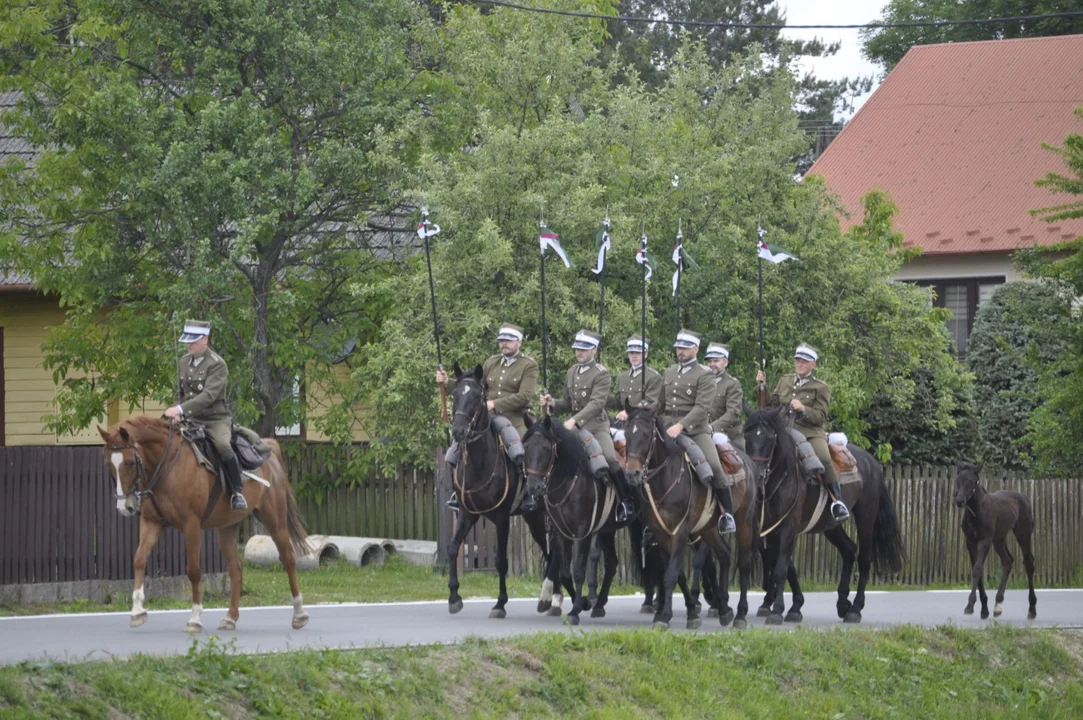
962,297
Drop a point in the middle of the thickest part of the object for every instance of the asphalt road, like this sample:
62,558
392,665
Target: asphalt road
107,635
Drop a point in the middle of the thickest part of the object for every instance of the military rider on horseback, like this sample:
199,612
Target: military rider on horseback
510,378
810,398
688,391
201,397
586,391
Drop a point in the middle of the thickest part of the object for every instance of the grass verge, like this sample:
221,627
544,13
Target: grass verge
336,582
904,672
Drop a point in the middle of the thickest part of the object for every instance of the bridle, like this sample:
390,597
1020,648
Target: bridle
472,433
141,480
644,461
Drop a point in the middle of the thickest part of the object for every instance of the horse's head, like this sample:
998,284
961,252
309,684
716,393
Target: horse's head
762,430
125,464
640,434
967,481
540,454
468,403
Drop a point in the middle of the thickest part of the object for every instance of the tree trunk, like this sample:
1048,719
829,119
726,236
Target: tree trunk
262,376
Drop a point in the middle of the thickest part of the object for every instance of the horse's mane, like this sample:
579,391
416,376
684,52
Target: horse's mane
143,427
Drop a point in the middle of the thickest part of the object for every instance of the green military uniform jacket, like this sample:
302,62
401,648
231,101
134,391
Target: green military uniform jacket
586,391
726,410
201,387
814,395
511,386
687,397
629,386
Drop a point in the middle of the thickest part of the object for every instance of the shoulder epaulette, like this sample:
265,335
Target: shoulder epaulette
600,366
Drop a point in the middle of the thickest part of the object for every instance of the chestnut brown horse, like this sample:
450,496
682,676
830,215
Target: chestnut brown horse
156,474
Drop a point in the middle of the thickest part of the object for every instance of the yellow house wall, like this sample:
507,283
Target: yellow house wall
29,389
318,401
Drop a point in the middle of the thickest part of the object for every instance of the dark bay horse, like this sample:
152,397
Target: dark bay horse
156,474
790,508
680,509
987,520
488,485
558,469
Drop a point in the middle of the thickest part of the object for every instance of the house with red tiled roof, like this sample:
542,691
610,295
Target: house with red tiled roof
954,135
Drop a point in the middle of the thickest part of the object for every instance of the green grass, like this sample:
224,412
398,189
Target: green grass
337,582
904,673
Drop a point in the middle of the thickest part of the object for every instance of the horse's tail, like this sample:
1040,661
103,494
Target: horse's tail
294,524
888,551
635,529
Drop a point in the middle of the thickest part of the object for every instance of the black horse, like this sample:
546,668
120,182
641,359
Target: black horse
488,486
987,520
558,469
791,506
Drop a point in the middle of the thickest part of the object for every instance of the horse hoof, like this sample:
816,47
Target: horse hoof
763,612
852,617
774,619
693,623
661,625
498,614
554,611
726,618
968,610
998,610
646,609
985,614
712,612
1031,614
299,621
544,605
843,607
794,616
227,624
454,607
740,624
573,619
193,628
139,619
597,612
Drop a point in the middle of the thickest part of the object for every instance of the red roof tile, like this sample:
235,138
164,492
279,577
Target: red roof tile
954,135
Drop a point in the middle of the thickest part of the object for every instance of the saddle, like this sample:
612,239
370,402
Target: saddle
248,446
732,464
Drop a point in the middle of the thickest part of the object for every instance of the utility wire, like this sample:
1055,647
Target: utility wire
768,26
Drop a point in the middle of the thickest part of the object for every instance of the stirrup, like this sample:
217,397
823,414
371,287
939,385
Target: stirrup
624,512
726,524
839,511
237,502
453,501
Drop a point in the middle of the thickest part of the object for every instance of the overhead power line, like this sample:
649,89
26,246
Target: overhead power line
770,26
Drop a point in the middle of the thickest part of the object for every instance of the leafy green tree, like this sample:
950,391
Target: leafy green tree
556,131
888,45
1023,328
1056,426
234,160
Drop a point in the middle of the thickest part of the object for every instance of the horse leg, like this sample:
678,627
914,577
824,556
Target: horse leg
797,601
579,576
608,543
192,542
536,524
592,572
1023,537
848,551
785,542
972,551
769,554
721,593
673,569
148,537
564,574
1006,561
227,543
699,556
977,572
280,535
650,580
466,521
744,571
503,524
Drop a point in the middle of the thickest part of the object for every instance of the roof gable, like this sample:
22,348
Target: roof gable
954,135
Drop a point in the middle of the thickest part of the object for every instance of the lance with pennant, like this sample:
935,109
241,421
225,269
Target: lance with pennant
602,241
426,230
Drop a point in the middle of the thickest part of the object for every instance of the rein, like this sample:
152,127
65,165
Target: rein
561,525
649,476
141,479
472,436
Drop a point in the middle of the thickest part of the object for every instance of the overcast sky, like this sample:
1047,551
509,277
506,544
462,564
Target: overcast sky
848,61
